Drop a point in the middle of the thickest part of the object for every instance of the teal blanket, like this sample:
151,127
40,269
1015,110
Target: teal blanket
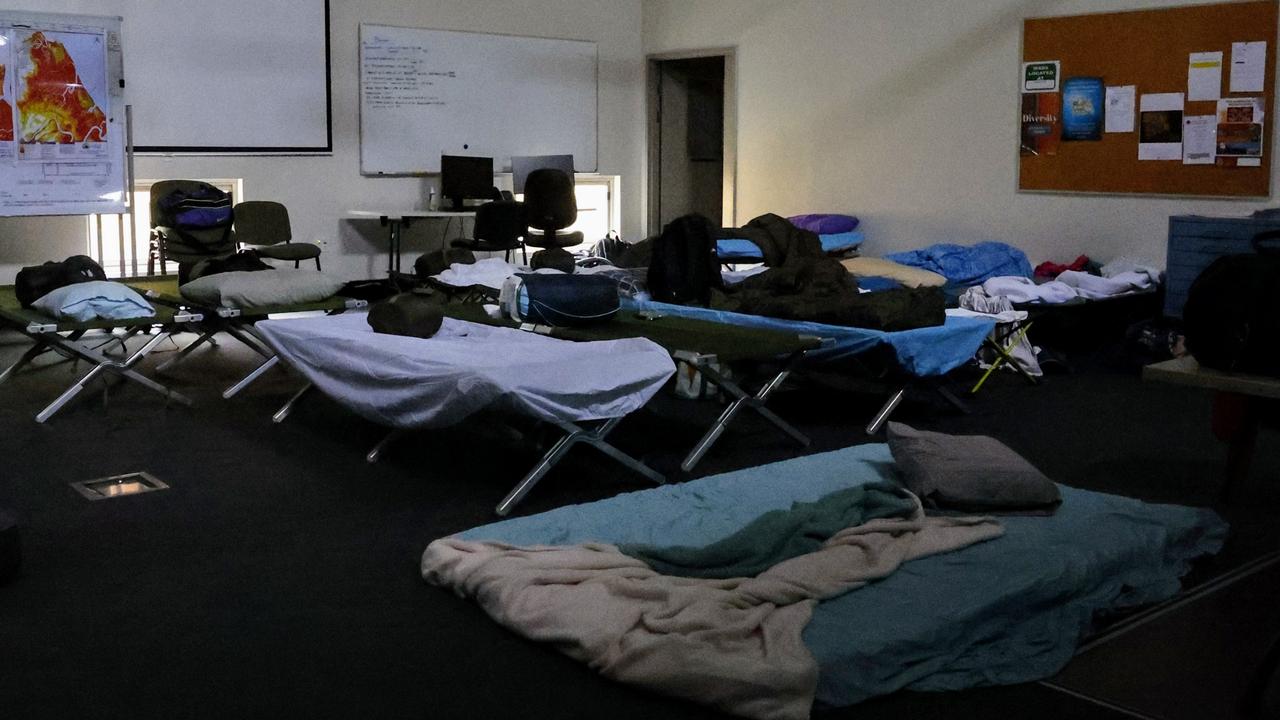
777,535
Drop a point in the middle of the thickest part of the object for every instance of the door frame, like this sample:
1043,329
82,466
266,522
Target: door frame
729,176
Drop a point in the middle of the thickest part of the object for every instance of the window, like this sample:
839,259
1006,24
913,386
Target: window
121,243
599,208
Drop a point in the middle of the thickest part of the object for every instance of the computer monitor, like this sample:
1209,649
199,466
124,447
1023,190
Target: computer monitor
463,177
521,166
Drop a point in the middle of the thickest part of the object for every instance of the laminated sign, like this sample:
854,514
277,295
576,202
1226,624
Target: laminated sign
1040,77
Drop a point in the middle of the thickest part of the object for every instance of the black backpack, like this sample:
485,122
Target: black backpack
1232,315
37,281
684,266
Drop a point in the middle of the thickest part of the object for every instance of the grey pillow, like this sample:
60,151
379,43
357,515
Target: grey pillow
264,288
973,473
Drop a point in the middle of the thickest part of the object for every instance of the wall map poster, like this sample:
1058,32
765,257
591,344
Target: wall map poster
62,144
61,94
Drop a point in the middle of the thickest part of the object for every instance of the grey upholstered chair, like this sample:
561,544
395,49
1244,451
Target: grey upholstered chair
263,226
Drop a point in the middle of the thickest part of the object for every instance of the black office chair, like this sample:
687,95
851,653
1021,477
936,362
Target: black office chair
183,245
550,206
499,227
263,226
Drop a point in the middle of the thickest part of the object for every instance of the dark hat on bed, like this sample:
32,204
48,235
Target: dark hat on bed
409,314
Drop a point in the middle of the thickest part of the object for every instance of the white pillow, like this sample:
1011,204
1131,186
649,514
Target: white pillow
261,288
94,300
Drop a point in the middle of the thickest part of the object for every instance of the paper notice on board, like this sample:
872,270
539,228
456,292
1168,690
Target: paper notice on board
1041,77
1160,126
1248,66
1120,106
1204,76
1240,127
1199,139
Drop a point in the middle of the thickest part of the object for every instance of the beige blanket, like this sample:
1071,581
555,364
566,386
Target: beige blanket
734,644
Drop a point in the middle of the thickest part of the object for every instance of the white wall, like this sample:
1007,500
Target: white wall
904,112
318,189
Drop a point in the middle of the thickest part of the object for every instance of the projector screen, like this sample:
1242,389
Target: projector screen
231,76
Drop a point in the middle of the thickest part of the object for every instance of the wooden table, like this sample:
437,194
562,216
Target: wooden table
1237,405
395,221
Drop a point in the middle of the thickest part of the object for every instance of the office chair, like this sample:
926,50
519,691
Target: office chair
550,206
183,245
263,226
499,227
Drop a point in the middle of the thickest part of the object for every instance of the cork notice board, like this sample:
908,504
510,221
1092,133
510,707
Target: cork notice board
1150,50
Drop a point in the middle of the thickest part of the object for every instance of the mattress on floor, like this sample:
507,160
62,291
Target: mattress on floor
1004,611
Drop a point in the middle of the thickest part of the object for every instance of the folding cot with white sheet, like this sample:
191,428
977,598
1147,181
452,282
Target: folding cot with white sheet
407,382
706,347
918,356
238,321
72,339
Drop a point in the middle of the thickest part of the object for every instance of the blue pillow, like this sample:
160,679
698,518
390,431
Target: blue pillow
737,249
839,242
96,300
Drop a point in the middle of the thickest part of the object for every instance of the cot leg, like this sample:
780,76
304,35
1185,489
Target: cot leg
104,364
950,397
742,399
69,394
376,452
883,416
258,372
548,460
283,413
36,350
204,338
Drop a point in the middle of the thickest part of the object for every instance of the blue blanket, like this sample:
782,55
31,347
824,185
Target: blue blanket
1005,611
923,352
963,265
743,250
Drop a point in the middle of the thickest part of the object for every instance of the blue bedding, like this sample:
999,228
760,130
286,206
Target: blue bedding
923,352
1004,611
743,250
967,265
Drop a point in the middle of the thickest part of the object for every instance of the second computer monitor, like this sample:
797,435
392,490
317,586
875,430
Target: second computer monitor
522,165
463,177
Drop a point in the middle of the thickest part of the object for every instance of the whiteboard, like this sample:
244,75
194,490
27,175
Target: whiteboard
229,76
427,93
62,115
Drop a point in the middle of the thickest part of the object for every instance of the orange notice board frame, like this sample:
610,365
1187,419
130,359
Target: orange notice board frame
1149,49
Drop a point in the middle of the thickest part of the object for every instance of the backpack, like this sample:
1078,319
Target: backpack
199,218
1232,315
37,281
684,266
200,208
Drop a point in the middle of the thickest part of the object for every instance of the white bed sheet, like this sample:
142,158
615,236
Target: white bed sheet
405,382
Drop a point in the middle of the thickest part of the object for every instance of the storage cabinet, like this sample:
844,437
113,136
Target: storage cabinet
1196,241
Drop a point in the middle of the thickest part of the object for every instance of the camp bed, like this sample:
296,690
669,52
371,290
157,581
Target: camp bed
72,340
236,322
915,357
706,346
404,383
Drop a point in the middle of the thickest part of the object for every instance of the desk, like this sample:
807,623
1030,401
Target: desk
1236,402
396,221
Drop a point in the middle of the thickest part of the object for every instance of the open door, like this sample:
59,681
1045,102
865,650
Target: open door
691,139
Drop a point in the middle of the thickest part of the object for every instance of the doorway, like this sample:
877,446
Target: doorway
691,138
